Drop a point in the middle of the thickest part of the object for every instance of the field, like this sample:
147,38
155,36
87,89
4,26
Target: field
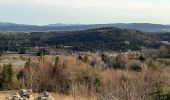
88,76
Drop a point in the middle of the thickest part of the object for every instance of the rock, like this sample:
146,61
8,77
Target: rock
41,97
16,96
30,91
45,96
25,93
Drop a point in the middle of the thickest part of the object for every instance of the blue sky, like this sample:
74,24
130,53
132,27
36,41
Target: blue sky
41,12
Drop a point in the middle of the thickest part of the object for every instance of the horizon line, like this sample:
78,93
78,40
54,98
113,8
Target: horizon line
83,23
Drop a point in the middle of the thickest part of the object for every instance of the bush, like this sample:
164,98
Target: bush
90,79
135,67
119,62
154,65
161,93
84,59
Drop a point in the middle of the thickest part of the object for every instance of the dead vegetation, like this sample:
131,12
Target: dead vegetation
95,75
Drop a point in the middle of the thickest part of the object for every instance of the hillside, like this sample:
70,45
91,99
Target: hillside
90,40
106,39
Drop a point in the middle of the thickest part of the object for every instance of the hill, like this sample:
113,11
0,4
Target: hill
102,39
147,27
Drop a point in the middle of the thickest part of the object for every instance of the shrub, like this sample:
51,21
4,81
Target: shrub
119,62
135,67
84,59
154,65
161,93
89,79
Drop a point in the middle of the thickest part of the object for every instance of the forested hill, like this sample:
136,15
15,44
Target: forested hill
90,40
106,39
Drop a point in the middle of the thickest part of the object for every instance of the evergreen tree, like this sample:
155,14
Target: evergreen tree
142,58
6,77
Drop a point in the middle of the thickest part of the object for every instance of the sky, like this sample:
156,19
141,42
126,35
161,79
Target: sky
42,12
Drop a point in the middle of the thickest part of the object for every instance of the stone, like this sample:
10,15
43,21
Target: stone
16,96
25,93
45,96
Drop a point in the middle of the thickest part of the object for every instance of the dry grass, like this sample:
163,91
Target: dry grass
123,84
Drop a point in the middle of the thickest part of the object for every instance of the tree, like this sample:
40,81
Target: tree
42,52
79,57
6,77
0,53
56,69
142,58
105,58
22,51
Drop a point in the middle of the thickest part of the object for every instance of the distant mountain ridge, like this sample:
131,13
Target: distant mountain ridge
146,27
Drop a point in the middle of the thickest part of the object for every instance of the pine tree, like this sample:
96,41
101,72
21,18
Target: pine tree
142,58
6,77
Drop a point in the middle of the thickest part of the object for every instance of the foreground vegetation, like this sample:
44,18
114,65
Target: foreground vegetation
127,76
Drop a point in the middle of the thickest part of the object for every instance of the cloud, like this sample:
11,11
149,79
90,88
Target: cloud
101,4
87,3
85,11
